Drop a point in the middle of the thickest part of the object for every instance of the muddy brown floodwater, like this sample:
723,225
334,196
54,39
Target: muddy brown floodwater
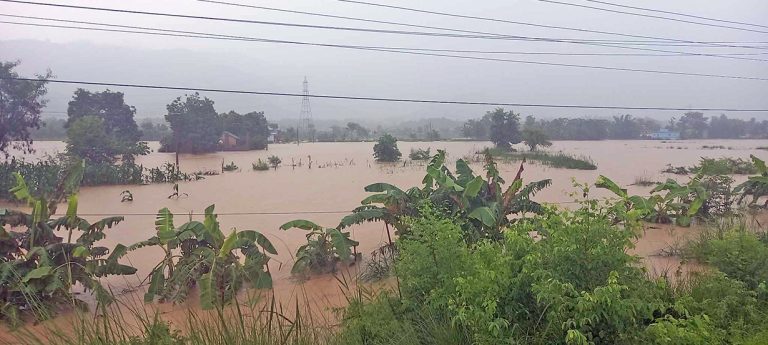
264,200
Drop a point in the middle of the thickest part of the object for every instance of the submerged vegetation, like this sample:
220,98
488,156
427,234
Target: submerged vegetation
324,249
555,160
260,165
420,154
474,259
43,257
42,175
385,150
714,166
200,254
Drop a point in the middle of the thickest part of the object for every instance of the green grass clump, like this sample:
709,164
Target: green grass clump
552,159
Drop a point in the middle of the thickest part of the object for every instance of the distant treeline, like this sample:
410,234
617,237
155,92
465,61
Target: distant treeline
692,125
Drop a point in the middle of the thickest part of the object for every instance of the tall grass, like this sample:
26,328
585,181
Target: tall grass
132,323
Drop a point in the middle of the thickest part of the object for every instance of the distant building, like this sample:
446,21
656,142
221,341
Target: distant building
665,134
229,141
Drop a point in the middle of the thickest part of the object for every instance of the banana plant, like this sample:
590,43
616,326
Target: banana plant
324,249
199,254
483,201
38,267
678,204
755,187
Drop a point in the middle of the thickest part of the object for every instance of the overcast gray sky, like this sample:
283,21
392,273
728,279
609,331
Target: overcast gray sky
131,58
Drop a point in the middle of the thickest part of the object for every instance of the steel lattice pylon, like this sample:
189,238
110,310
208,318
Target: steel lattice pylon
305,128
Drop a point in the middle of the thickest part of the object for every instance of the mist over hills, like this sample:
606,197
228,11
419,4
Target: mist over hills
266,68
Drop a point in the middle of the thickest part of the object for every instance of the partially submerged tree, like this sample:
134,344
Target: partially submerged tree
21,102
195,125
118,130
534,138
386,149
505,128
251,127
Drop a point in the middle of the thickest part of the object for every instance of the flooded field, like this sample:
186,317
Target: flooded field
324,193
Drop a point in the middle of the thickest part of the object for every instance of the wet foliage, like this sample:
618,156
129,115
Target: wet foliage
42,258
325,248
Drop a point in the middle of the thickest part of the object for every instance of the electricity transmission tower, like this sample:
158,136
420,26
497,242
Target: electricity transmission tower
306,127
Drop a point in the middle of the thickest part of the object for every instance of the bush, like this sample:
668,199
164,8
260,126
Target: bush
420,154
274,161
260,165
229,167
386,149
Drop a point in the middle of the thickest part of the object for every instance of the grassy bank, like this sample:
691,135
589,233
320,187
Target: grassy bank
552,159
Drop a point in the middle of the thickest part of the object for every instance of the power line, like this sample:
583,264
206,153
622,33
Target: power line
193,34
444,28
539,63
410,9
678,14
397,32
654,16
382,99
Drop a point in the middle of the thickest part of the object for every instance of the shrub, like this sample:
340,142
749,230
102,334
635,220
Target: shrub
229,167
275,161
260,165
386,149
420,154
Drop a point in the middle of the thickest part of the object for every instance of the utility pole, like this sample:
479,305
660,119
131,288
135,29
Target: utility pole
305,116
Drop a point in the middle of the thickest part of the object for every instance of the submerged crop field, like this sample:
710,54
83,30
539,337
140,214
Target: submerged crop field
329,246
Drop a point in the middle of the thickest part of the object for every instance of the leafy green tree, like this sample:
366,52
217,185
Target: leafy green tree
505,129
87,138
251,127
111,107
195,125
120,134
535,138
21,103
386,149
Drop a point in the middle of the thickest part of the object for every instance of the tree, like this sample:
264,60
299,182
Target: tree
505,129
111,107
534,138
386,149
625,127
87,138
693,125
21,103
195,125
251,127
358,130
117,122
